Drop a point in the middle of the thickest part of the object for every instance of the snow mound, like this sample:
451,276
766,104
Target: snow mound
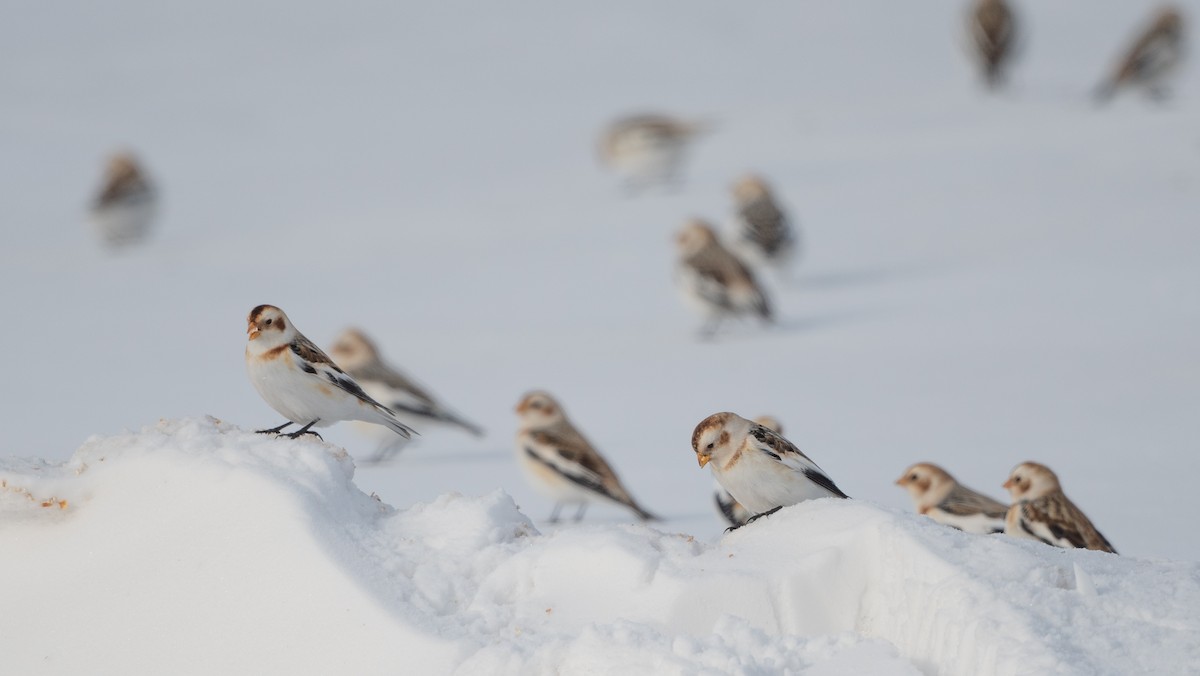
194,546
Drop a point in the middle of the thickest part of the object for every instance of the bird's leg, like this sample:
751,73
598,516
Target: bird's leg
579,513
304,430
769,512
554,514
273,430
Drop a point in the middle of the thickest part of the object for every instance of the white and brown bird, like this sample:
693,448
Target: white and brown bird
563,465
731,509
412,403
127,203
648,149
1042,512
714,281
299,381
764,232
1152,58
760,469
940,497
992,30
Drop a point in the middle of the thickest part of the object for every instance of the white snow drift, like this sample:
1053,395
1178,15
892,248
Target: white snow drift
197,547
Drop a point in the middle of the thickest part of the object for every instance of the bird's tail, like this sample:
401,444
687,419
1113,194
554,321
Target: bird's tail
388,419
467,425
641,513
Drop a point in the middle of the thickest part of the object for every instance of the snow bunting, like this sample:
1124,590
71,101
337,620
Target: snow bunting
296,378
992,30
127,203
731,509
647,149
1155,54
413,404
759,468
713,280
764,232
938,496
562,464
1040,511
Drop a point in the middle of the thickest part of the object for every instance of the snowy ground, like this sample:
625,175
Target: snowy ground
988,279
217,549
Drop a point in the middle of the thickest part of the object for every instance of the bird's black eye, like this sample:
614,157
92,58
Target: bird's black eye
1017,479
710,446
268,322
912,477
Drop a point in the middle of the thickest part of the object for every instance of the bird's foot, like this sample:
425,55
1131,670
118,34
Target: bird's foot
301,433
769,512
273,430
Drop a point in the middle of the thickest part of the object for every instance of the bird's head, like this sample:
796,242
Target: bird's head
695,236
750,187
538,409
923,479
268,327
353,349
717,435
1030,480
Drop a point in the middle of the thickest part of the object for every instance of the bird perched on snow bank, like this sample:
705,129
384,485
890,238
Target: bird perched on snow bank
992,29
759,468
1040,511
413,405
648,149
299,381
731,509
125,208
940,497
764,232
714,281
561,463
1153,57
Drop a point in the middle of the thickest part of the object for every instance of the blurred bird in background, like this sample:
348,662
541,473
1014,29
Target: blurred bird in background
992,30
561,464
764,232
127,204
714,281
1042,512
1151,60
411,402
939,496
649,149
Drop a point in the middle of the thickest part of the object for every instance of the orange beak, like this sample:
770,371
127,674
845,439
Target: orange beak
703,459
1007,484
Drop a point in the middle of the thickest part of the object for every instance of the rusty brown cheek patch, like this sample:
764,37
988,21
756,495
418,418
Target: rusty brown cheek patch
733,460
274,353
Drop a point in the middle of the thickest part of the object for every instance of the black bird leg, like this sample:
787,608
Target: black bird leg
273,430
579,514
554,514
304,430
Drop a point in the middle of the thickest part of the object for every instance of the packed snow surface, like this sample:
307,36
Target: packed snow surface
197,547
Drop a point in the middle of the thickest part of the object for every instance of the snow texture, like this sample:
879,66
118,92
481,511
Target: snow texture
196,547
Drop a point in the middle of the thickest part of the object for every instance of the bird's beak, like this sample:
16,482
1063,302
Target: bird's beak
703,458
900,481
252,329
1007,484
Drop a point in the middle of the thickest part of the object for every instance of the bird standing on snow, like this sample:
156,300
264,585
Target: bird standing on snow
648,149
759,468
1040,511
940,497
562,464
296,378
1157,52
731,509
764,232
127,203
714,281
992,30
412,404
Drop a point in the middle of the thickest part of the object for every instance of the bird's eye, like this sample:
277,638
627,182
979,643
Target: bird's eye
268,322
1017,479
912,477
710,446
